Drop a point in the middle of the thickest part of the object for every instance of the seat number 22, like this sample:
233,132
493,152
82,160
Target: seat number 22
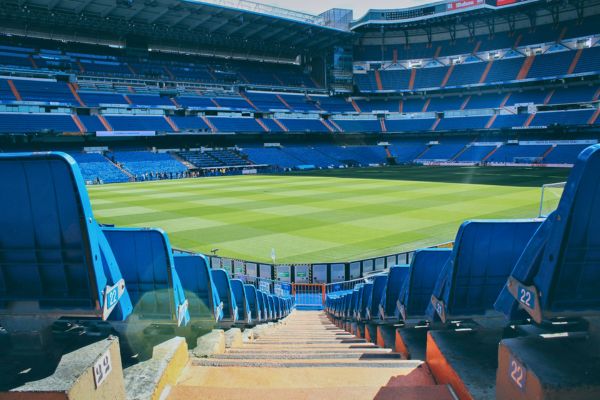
518,374
526,297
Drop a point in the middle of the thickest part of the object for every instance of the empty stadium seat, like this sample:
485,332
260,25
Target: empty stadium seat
415,293
55,257
253,303
146,261
262,306
561,260
556,279
241,300
230,307
196,280
484,254
379,285
396,277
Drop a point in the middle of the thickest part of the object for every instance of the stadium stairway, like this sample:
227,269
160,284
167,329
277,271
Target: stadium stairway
307,357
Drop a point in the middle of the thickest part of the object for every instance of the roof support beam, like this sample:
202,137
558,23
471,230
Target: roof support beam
181,18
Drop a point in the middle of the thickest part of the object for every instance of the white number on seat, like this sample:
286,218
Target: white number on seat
526,297
518,374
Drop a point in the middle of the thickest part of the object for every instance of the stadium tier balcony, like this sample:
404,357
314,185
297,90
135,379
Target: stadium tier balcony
138,123
145,162
359,125
31,123
564,118
510,153
444,151
564,153
462,123
272,156
303,125
475,153
409,124
228,157
190,123
235,124
95,167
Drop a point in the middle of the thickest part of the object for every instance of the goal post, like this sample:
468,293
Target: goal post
551,194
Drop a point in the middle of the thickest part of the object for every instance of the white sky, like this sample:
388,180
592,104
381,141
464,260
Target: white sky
360,7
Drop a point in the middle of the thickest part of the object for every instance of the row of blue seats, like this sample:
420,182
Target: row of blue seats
499,298
94,60
72,280
23,123
545,66
570,95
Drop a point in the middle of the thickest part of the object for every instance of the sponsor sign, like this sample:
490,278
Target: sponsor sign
458,5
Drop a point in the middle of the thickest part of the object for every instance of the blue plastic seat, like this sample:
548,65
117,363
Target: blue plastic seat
361,289
379,283
272,308
54,258
558,274
253,303
484,254
354,302
196,280
262,307
239,292
223,285
396,277
415,294
146,261
265,305
364,301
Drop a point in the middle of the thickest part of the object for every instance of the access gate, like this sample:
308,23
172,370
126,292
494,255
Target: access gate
309,296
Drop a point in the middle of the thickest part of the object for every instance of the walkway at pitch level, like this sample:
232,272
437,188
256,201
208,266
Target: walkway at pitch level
308,358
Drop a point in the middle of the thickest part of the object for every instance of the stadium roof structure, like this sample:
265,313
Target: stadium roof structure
439,16
228,24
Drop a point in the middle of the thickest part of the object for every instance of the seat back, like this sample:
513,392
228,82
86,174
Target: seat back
239,292
253,303
261,307
146,261
54,260
379,283
196,280
562,261
364,301
272,308
223,285
415,294
265,305
354,301
483,256
396,277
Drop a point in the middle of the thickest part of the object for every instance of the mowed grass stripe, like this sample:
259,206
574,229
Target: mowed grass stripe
307,218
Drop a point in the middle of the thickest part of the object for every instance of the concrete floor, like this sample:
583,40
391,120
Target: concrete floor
307,358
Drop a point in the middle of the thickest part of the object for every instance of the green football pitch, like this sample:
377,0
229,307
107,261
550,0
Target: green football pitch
323,216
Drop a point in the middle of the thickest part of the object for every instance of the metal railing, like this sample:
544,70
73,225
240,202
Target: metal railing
324,273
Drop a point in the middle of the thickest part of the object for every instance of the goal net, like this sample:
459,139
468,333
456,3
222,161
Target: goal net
551,194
